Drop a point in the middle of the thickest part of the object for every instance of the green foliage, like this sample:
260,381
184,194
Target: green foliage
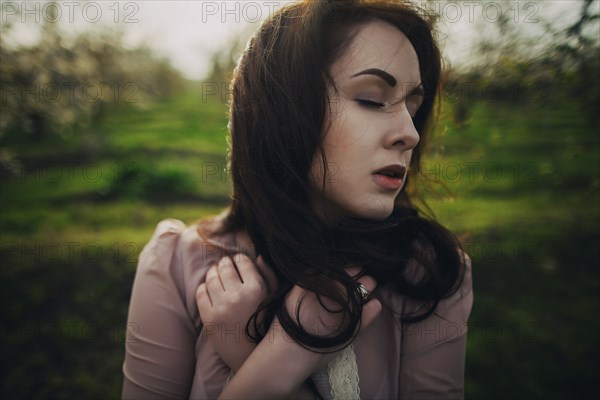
514,67
144,182
78,206
531,233
68,247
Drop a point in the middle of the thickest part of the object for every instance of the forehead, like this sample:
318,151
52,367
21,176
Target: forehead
378,44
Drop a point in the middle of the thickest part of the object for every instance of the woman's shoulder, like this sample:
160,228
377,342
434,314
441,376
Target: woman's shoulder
201,239
166,233
178,256
159,250
450,319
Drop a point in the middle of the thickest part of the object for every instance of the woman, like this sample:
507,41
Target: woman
321,279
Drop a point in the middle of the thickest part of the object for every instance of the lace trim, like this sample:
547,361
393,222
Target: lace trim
343,376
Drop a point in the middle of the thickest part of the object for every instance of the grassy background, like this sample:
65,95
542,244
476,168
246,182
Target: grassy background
523,192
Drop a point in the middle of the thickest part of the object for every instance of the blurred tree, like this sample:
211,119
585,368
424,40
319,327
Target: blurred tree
224,62
522,63
577,57
63,84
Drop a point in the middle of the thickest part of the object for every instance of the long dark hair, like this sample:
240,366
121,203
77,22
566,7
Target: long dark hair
278,107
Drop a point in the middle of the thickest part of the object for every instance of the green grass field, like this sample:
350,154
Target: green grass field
522,191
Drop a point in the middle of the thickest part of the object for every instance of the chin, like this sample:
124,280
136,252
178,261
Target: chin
374,211
378,216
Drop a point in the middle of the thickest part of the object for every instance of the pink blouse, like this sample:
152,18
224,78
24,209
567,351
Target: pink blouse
167,355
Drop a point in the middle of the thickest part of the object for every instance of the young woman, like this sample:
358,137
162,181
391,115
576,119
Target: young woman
321,280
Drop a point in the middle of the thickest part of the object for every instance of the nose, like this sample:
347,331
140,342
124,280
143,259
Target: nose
402,132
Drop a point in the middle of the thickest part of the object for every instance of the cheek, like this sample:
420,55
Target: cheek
335,137
348,142
345,144
337,146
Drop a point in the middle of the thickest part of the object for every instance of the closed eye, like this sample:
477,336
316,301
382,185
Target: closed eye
369,103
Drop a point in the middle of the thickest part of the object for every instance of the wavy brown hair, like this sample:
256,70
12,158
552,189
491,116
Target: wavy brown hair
278,107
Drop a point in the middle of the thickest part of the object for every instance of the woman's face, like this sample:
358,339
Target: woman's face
370,132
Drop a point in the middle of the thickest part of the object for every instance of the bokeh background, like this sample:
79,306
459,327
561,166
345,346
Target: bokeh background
113,117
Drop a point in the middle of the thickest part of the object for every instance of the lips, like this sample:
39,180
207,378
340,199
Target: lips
390,177
393,171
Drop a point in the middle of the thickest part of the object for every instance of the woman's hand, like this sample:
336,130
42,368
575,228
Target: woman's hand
230,295
279,365
316,317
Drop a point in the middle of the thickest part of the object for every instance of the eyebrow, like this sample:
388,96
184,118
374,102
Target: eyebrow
417,91
389,79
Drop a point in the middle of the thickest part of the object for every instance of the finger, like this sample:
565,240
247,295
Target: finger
268,274
368,282
203,299
228,273
371,308
353,270
213,284
245,268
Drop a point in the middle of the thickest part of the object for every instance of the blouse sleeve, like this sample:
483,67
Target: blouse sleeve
433,350
162,340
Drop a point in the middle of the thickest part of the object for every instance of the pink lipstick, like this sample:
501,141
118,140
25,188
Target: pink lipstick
390,177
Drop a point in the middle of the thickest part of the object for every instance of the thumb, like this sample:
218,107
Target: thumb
370,311
372,308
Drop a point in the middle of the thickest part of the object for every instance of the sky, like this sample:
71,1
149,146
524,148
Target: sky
189,32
